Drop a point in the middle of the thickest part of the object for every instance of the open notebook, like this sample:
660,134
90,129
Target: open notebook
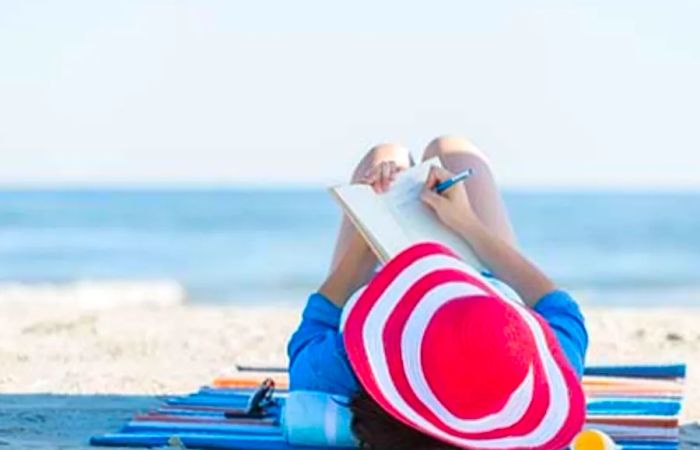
396,219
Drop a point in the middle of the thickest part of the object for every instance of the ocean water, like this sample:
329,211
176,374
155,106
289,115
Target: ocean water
267,246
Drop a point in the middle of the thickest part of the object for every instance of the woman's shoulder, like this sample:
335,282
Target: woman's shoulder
558,302
564,316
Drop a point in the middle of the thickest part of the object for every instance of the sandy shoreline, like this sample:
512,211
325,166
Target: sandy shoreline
66,373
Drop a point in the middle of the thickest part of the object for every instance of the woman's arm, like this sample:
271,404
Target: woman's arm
504,261
352,272
357,264
507,263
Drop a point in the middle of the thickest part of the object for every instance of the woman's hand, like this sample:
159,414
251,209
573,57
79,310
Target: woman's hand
381,176
505,262
357,264
452,206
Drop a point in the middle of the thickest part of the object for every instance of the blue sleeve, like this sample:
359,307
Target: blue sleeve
564,317
317,358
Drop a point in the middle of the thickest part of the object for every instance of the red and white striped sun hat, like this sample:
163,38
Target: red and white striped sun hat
442,351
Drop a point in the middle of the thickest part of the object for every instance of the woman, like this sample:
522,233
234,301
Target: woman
432,354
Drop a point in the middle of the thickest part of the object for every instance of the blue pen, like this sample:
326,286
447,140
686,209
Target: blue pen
448,183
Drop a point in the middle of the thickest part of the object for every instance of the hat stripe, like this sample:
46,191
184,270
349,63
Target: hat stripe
367,321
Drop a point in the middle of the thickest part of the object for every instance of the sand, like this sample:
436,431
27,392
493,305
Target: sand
67,373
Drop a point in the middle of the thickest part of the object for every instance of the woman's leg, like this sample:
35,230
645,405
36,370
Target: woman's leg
458,154
376,155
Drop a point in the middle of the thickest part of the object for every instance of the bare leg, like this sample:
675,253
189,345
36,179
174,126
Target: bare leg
458,154
376,155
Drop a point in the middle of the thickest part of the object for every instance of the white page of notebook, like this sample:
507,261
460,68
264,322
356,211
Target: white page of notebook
398,218
417,221
373,219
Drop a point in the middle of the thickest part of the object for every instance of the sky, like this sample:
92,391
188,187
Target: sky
560,94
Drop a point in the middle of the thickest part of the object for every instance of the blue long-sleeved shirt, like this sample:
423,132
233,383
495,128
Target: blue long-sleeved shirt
318,361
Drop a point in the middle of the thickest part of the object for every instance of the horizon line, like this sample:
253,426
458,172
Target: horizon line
251,186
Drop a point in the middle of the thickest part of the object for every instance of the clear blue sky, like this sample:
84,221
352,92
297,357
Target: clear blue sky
560,93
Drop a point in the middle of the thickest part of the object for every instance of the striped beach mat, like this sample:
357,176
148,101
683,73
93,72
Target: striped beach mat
638,406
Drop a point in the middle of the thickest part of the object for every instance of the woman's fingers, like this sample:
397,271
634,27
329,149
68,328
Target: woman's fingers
431,198
387,170
381,176
436,176
369,177
432,180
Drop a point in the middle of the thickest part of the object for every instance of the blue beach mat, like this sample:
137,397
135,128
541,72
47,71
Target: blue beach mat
637,406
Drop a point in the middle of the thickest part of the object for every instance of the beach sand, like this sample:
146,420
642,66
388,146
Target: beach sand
67,373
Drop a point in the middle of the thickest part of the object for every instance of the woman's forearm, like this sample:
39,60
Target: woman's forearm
353,271
454,209
507,263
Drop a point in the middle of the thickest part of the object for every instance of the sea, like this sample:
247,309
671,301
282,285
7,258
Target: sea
248,246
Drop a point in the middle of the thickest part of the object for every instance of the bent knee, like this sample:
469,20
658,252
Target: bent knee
380,153
449,145
390,152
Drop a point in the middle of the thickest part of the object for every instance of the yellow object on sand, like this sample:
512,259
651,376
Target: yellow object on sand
593,440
